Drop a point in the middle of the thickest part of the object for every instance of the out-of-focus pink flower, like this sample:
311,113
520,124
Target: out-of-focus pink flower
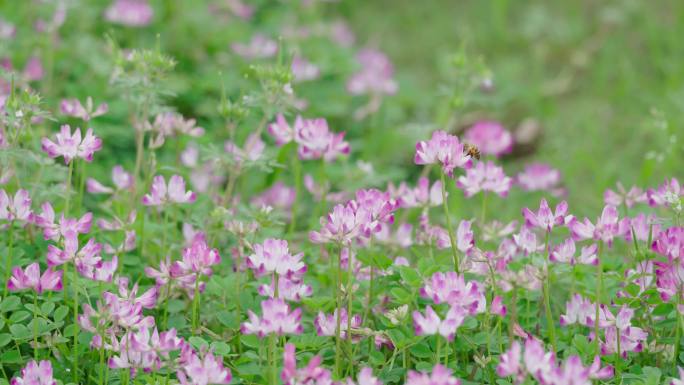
490,137
279,196
665,194
175,192
273,256
30,278
326,324
259,47
495,230
288,289
605,230
312,374
198,258
131,13
121,178
443,149
276,319
423,195
252,151
71,146
497,307
65,226
565,253
304,70
485,176
539,176
376,75
281,130
526,241
629,198
17,208
73,107
440,376
35,373
365,378
578,310
431,324
314,138
33,71
401,238
7,30
545,219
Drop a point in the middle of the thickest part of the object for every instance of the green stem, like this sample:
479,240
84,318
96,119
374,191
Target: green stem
599,284
272,358
67,195
678,332
195,305
450,229
484,207
82,180
35,325
139,151
296,167
617,355
547,296
75,350
338,307
8,266
350,276
438,349
166,304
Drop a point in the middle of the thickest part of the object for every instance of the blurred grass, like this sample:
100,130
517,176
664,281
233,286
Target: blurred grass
589,71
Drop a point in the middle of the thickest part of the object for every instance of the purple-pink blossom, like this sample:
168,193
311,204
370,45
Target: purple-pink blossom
443,149
161,193
276,319
485,176
71,146
30,278
490,137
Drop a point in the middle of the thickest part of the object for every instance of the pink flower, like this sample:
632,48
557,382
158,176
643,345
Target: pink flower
421,196
281,130
670,243
642,226
276,319
35,373
509,363
539,176
443,149
670,279
279,196
89,254
131,13
252,151
379,205
665,194
453,289
30,278
122,181
34,71
326,324
497,307
17,208
632,339
259,47
198,258
174,193
440,376
565,253
73,107
304,70
375,76
485,176
344,224
431,324
71,146
65,226
365,378
209,369
495,230
317,141
545,219
578,310
289,290
273,256
490,137
526,241
606,227
629,198
312,374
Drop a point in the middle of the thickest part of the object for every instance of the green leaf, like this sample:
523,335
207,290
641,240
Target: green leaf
220,348
421,350
5,338
198,342
60,313
228,319
19,316
176,306
250,340
10,303
71,330
20,332
410,276
652,375
47,308
11,357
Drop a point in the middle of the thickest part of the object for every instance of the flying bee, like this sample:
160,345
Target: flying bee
472,150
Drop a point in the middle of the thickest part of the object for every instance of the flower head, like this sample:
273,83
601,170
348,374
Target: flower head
73,107
35,373
276,319
485,176
490,137
375,76
17,208
131,13
30,278
443,149
440,376
71,146
175,192
273,256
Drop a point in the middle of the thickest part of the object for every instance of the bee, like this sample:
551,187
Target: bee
472,150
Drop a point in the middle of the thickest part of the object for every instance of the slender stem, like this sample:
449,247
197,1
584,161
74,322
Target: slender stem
350,280
35,325
439,348
297,168
599,284
484,207
678,331
166,304
450,229
338,321
195,305
67,195
547,296
617,354
82,180
76,329
8,265
272,358
139,147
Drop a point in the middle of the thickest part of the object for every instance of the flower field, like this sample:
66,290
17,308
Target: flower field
305,192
